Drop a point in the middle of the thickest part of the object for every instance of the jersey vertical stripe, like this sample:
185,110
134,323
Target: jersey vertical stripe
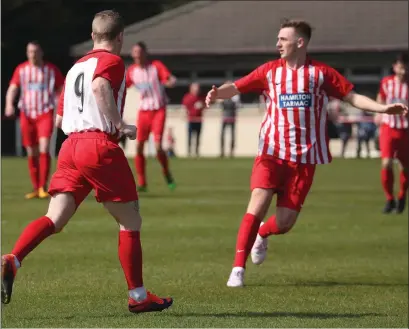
394,91
38,86
295,125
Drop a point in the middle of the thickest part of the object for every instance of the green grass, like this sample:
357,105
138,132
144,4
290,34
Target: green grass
343,265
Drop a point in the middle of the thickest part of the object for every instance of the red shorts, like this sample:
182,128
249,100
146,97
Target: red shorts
151,122
92,160
33,129
291,181
394,143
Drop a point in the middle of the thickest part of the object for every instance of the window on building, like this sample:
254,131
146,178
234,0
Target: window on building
367,89
211,74
176,94
367,71
182,74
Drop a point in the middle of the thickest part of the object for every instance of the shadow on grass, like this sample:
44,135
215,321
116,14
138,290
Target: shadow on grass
242,314
302,315
329,284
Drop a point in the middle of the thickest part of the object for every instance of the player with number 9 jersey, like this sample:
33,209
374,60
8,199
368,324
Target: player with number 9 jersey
91,158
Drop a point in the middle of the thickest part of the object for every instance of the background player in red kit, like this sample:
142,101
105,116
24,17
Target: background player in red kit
150,77
40,83
194,103
293,137
394,134
90,113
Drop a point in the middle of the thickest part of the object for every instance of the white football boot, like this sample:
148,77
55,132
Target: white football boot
236,278
259,250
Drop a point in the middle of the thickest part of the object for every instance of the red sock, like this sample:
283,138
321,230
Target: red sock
163,159
404,184
31,237
270,227
33,169
140,169
387,182
130,256
245,239
45,163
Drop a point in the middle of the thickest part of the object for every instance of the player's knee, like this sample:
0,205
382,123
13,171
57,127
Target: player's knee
60,210
387,163
260,202
126,214
286,219
139,148
158,146
44,145
32,150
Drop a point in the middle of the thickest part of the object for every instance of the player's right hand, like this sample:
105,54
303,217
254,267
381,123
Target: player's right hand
9,111
211,96
129,131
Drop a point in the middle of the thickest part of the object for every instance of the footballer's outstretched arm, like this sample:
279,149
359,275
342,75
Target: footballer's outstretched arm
226,91
366,104
105,100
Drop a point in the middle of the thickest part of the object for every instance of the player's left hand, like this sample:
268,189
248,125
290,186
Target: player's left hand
211,96
396,108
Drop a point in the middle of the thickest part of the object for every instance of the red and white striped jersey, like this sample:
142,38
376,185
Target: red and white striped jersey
294,127
393,91
149,80
38,86
77,104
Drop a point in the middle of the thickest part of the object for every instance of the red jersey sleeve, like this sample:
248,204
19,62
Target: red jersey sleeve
163,71
185,99
335,84
128,78
15,79
59,78
382,89
60,105
255,81
112,68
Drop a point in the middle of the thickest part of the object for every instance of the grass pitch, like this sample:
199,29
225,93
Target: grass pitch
343,265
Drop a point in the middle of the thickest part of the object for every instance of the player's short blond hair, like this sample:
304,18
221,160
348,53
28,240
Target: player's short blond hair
107,25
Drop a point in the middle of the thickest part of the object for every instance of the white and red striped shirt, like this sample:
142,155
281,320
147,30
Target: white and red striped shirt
394,91
38,86
294,127
149,80
77,104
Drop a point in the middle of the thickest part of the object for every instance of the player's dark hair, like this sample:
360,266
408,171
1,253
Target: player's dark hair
301,27
402,58
114,25
142,45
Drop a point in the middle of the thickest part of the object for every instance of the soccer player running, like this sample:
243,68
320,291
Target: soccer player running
150,77
90,113
394,134
293,137
40,83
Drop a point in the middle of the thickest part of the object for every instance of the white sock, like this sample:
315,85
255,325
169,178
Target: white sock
238,269
16,262
138,294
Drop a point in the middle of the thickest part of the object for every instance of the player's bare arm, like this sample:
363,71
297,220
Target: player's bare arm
58,121
378,116
366,104
11,95
226,91
105,100
171,82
